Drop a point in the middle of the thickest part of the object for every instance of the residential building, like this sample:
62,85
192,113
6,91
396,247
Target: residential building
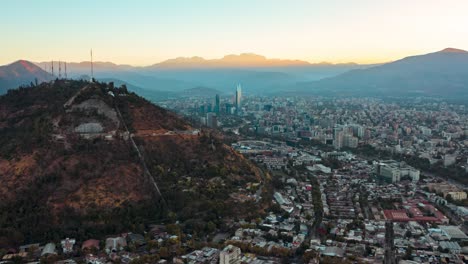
230,255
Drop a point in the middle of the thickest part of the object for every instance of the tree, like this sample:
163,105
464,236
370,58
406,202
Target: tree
210,227
164,252
408,253
17,260
408,234
449,198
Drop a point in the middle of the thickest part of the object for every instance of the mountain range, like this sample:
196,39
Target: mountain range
255,71
243,60
442,73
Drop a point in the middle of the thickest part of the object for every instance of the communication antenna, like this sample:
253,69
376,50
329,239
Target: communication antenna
92,70
60,70
65,70
52,68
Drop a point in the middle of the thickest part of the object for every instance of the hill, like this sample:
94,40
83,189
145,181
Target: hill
84,159
21,73
443,73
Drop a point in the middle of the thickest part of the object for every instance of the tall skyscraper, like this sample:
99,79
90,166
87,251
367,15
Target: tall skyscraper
217,104
238,98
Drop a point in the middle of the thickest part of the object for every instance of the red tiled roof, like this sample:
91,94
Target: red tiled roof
90,244
396,215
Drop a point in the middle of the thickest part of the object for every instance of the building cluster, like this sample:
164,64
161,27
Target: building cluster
356,199
67,251
423,128
210,111
359,194
285,229
393,171
448,190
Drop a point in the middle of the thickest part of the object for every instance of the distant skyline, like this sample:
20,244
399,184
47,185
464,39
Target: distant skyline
144,32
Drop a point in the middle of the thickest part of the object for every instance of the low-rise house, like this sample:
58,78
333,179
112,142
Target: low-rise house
49,249
114,244
452,247
10,256
29,247
66,261
229,255
93,259
205,255
136,239
453,233
333,252
90,244
67,245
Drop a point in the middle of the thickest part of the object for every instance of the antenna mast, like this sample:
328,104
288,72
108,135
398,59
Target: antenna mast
92,70
65,70
52,68
60,70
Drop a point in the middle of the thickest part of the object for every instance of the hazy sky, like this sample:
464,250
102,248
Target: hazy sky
142,32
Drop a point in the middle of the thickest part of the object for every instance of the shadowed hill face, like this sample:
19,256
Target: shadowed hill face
68,167
21,73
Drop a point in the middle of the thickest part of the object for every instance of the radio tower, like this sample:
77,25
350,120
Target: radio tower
52,68
92,71
65,70
60,70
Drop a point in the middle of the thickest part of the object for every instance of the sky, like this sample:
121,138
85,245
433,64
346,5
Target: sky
144,32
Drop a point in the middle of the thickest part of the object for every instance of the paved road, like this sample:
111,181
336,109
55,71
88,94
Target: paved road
258,194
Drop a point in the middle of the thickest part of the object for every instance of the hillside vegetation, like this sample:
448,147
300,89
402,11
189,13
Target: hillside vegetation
68,166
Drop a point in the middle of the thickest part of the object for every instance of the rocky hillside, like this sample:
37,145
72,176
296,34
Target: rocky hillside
84,159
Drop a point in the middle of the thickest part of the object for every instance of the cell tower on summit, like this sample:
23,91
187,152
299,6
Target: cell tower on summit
92,70
60,70
52,68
